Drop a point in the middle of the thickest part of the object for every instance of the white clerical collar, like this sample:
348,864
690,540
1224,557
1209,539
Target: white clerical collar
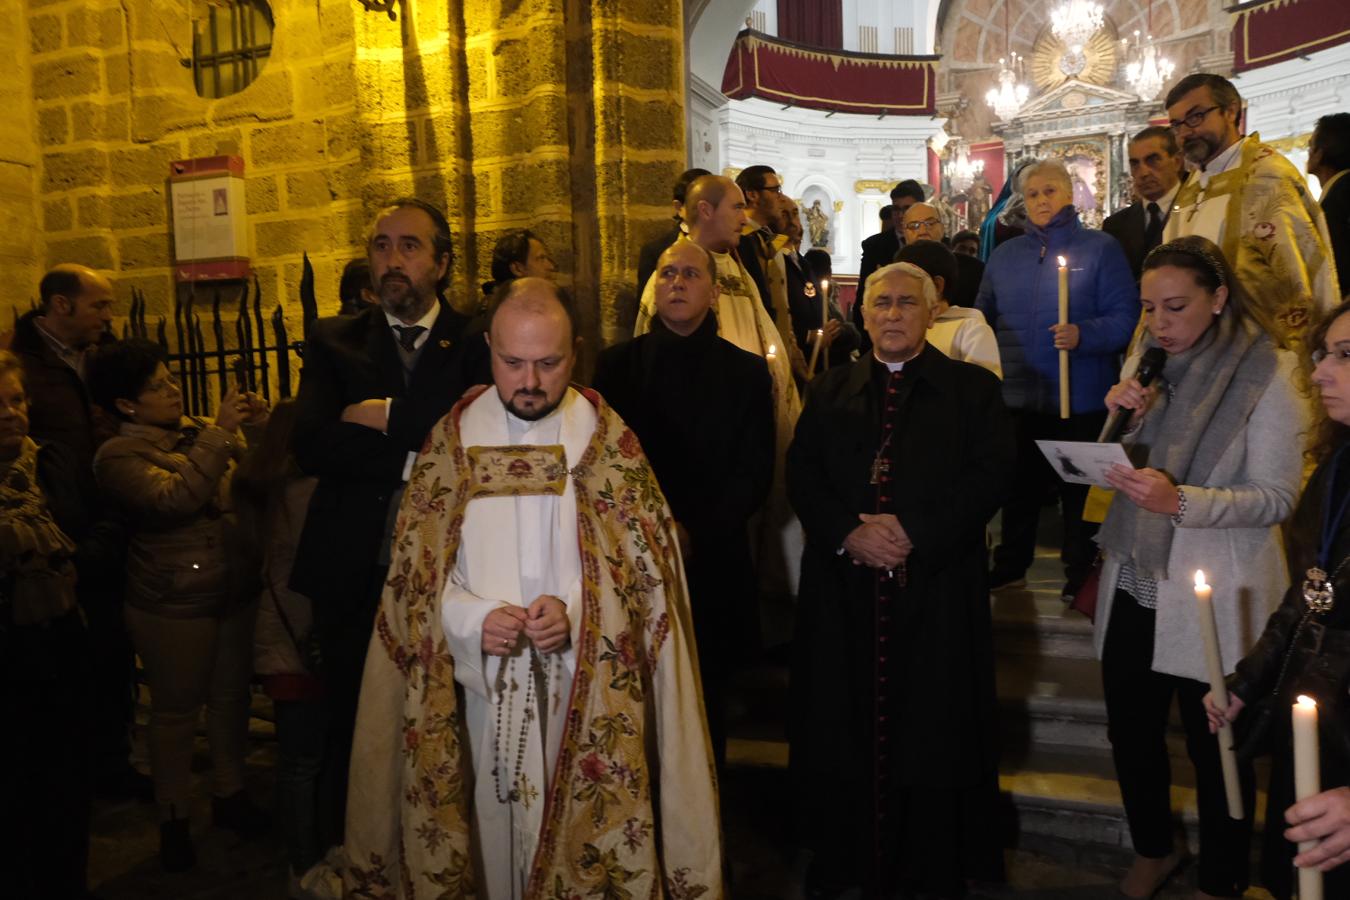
1226,160
890,366
1165,201
426,321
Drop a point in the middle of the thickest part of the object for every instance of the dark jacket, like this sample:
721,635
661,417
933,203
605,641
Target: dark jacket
1019,299
751,252
59,407
349,359
969,274
703,410
804,305
950,466
877,251
1336,207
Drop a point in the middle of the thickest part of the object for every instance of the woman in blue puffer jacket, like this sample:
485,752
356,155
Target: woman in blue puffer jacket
1019,297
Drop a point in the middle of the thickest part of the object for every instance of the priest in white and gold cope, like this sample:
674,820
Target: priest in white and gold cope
1251,201
536,567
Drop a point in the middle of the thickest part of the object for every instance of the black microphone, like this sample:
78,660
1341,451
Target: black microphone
1149,367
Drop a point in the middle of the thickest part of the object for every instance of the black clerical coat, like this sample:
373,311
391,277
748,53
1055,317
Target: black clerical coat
703,410
948,462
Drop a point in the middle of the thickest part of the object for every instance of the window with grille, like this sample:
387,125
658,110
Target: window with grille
231,42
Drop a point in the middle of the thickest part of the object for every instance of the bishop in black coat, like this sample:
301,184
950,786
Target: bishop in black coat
894,757
703,410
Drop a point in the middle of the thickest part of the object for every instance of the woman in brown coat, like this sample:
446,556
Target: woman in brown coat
188,613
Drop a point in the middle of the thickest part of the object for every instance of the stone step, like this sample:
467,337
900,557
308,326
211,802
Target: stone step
1035,622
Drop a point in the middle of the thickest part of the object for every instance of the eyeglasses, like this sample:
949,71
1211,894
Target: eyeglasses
163,386
1340,356
1192,120
775,188
923,223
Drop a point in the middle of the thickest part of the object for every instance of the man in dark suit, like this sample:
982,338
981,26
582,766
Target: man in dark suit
1156,171
763,191
1329,160
652,250
893,602
373,385
703,410
880,249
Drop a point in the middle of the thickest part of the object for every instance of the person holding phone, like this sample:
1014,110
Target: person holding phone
189,601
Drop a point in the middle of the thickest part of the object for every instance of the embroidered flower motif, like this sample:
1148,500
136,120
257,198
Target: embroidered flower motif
410,739
628,444
520,468
1263,231
593,768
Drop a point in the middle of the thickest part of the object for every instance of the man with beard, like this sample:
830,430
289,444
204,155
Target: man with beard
1251,201
372,387
703,409
530,719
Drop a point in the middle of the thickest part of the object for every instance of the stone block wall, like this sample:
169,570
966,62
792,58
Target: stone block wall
565,116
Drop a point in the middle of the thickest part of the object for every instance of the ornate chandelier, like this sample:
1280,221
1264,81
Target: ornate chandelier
1149,70
1007,99
960,169
1075,21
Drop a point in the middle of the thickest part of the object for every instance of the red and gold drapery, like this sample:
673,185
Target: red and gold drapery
1278,30
865,83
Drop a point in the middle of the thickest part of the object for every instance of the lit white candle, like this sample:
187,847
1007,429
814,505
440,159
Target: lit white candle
1214,666
773,349
824,315
1307,783
1063,354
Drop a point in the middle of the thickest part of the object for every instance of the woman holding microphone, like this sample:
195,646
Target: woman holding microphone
1217,440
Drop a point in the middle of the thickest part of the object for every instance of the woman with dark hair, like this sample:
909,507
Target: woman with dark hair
271,497
1218,437
519,254
188,594
46,538
1305,647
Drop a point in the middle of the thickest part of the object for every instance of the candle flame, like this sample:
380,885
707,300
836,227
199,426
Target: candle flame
1063,262
1306,702
1200,578
772,349
824,284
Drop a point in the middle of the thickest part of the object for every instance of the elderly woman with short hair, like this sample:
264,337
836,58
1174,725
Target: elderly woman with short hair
1020,300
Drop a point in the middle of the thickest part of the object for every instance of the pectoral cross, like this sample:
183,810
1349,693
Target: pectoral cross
880,467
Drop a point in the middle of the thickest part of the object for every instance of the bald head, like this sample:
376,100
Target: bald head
531,337
714,209
76,304
922,223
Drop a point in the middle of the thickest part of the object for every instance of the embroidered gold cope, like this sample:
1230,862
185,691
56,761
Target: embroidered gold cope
630,808
1271,230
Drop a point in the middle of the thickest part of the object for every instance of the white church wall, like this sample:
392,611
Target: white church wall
1285,100
852,160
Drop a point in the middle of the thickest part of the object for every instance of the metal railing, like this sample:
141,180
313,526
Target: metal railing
206,367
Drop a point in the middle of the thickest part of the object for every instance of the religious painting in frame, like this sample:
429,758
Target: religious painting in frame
1088,160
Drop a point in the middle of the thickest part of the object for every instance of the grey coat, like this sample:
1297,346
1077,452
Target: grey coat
1231,530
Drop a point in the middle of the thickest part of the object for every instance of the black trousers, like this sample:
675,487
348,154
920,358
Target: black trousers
1033,480
1138,701
344,631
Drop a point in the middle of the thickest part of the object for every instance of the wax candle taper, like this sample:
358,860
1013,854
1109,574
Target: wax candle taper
1214,666
1064,405
1307,782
